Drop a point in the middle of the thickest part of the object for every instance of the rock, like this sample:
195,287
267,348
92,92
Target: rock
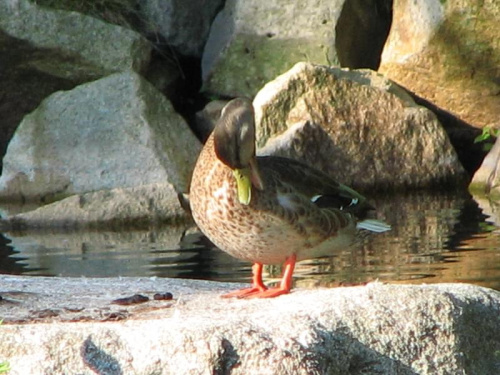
361,32
462,136
43,51
206,118
182,24
141,206
382,329
486,180
250,43
117,132
449,53
491,209
357,126
64,36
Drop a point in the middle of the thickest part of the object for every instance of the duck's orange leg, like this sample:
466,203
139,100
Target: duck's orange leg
257,284
285,284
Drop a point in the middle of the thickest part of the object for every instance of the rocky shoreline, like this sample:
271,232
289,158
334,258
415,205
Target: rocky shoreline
101,124
73,326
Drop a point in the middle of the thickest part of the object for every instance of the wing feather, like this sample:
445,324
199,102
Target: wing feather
317,186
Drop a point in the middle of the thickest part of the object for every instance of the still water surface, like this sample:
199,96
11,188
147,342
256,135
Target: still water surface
434,238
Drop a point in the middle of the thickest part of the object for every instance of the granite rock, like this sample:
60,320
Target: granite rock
389,329
356,125
116,132
448,52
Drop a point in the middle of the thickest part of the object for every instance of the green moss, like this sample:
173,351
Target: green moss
468,46
478,189
482,190
251,61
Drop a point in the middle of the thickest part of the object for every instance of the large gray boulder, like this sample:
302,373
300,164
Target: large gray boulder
66,48
250,43
71,326
448,52
357,126
44,50
117,132
182,24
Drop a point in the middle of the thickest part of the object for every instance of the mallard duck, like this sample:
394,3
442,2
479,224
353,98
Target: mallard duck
269,210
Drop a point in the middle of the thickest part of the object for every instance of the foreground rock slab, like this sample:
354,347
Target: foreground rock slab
389,329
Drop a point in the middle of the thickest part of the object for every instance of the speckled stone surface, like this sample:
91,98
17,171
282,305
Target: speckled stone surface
72,326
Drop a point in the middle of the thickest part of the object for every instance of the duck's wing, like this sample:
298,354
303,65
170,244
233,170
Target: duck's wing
318,187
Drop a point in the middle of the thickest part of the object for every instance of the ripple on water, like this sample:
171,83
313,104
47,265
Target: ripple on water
434,238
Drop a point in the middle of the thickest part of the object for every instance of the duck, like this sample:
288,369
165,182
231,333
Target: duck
270,209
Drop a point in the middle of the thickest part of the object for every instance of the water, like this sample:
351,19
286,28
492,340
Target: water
434,238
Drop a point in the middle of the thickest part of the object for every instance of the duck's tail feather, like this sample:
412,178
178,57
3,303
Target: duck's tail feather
373,225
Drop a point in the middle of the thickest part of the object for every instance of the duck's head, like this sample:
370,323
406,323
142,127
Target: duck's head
234,139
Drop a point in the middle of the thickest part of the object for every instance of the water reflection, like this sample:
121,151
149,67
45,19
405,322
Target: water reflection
165,252
435,238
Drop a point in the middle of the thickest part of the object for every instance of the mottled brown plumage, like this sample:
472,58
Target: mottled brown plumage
293,211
